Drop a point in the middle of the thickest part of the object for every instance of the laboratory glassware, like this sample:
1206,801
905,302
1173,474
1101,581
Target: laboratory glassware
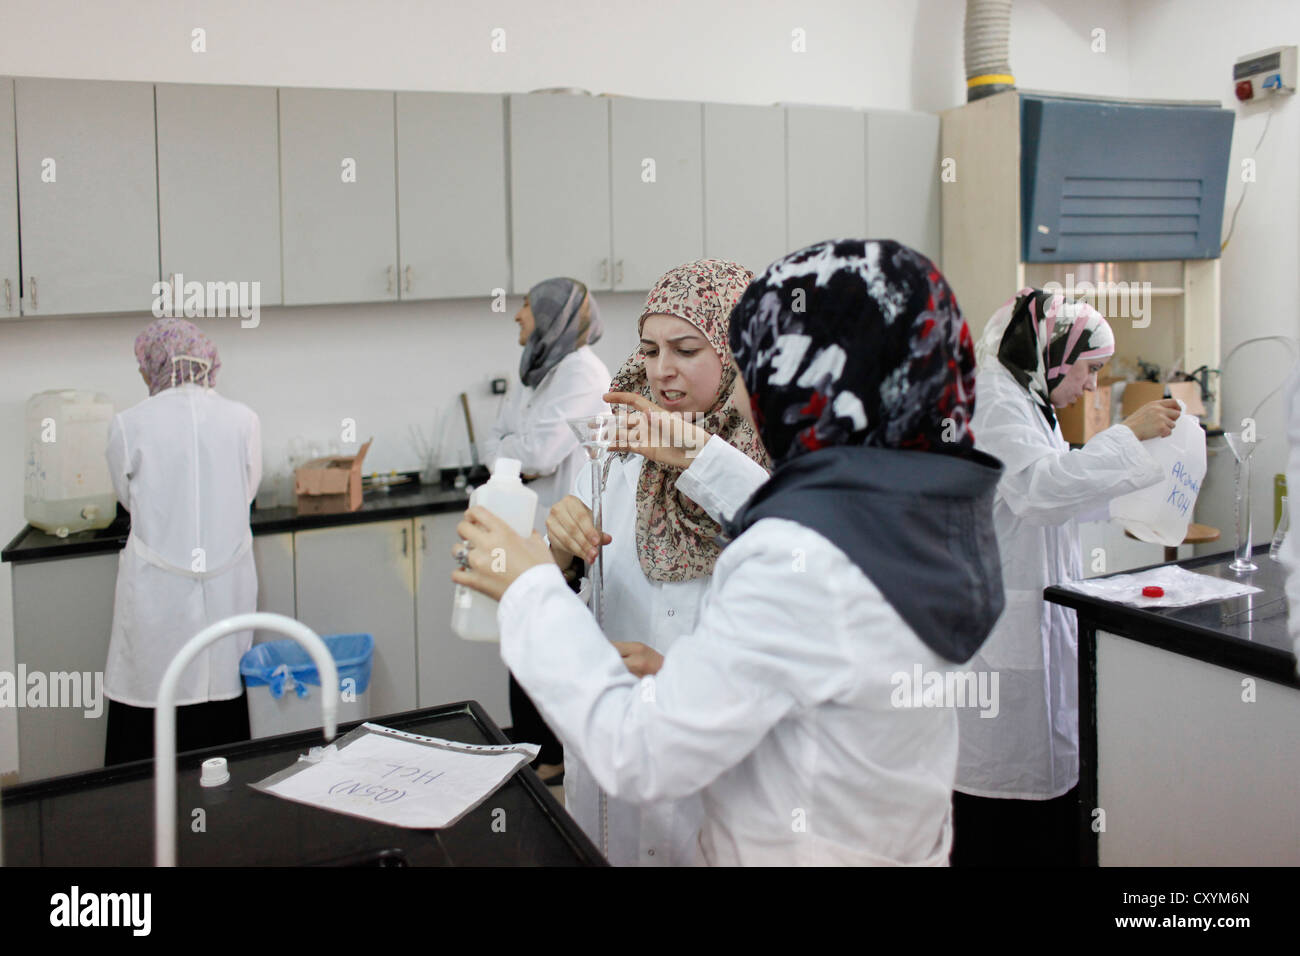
1242,445
596,433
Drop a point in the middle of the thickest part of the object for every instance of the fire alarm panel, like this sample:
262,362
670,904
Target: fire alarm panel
1266,73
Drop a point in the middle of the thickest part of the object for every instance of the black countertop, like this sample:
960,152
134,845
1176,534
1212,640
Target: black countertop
401,501
1255,641
106,817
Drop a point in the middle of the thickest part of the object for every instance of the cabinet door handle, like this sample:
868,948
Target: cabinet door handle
424,539
9,297
618,272
404,542
604,272
32,282
407,273
391,276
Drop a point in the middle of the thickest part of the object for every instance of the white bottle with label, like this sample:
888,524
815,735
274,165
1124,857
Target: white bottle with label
474,615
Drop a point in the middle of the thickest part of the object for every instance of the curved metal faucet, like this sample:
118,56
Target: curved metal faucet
164,734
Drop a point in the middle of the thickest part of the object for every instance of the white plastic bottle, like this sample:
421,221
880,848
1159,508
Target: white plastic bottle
474,615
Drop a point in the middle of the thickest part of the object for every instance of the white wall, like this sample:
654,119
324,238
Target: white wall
1185,49
390,365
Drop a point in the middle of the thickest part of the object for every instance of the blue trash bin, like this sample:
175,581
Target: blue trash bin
279,676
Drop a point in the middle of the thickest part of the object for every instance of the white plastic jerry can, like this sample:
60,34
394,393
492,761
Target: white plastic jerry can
474,615
66,484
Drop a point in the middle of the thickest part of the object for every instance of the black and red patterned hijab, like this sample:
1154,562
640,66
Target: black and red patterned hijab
855,342
861,375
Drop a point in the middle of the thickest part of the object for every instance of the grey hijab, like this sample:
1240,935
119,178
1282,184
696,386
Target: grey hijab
567,319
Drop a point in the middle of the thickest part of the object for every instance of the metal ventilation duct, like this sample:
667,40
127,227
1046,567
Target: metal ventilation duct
988,45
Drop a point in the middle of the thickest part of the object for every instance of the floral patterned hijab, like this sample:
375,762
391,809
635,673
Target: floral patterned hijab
675,537
174,351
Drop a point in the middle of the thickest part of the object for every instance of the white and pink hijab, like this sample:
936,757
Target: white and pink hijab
1038,336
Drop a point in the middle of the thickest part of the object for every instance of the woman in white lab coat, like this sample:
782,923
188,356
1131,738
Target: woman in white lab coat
661,523
1018,772
790,707
560,378
186,463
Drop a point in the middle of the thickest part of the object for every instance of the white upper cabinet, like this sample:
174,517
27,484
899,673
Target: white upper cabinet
338,192
656,172
559,189
451,194
903,166
219,185
88,191
744,184
826,153
9,281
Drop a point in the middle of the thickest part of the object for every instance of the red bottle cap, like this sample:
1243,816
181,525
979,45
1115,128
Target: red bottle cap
1153,590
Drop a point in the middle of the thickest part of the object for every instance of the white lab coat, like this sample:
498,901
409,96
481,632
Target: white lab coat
778,708
1290,555
186,463
533,428
1030,750
720,479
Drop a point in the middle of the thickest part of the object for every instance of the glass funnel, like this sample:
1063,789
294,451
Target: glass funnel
596,433
1242,444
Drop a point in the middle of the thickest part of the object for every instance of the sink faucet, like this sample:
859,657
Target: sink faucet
164,735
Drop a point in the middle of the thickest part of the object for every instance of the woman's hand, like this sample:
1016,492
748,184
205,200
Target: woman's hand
658,434
497,555
1154,419
572,532
641,659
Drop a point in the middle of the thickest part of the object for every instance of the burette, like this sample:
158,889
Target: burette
596,433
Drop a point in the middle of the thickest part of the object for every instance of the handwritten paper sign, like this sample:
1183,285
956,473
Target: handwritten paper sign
398,778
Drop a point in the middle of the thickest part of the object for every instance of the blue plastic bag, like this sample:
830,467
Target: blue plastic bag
283,665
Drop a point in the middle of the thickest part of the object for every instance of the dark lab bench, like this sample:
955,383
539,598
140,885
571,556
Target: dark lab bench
64,592
1189,725
106,817
401,501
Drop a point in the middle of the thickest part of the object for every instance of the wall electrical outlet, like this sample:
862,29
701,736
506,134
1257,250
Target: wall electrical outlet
498,386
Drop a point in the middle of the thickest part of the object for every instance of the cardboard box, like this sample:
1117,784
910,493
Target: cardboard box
1137,394
1089,415
330,485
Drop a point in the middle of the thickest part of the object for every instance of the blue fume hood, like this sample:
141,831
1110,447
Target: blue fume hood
1106,181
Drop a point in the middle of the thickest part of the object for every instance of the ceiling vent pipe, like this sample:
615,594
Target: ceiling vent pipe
988,45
